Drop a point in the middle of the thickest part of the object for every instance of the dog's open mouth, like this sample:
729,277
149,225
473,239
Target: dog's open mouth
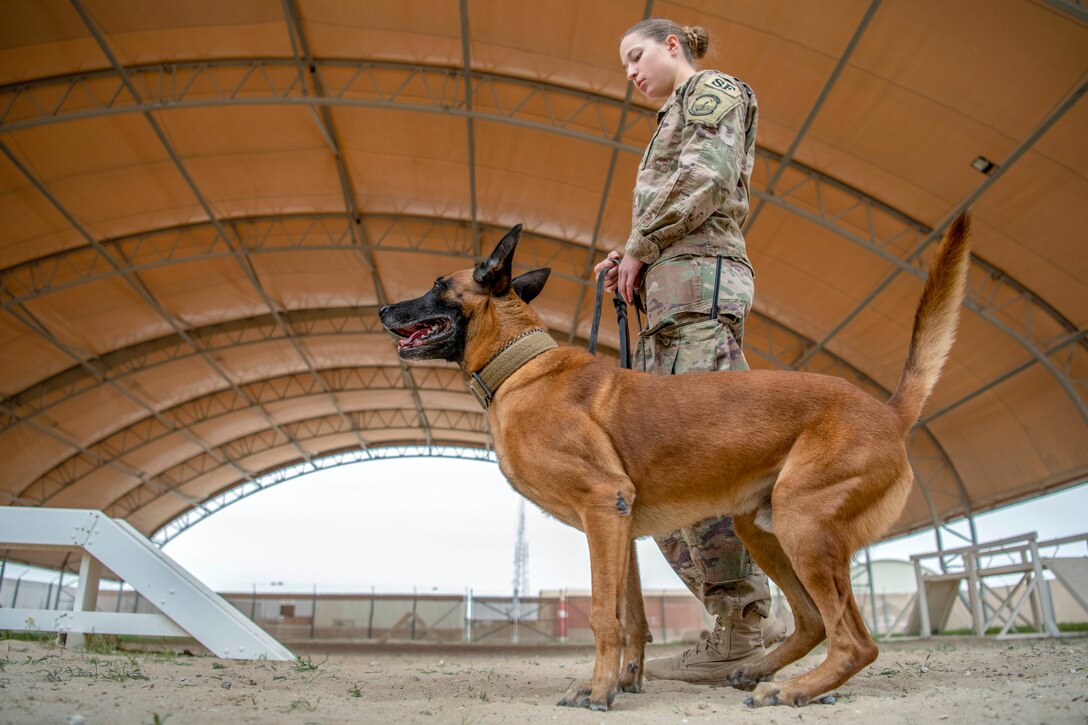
422,333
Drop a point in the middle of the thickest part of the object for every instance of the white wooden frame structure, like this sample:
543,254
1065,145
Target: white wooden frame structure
188,607
1020,555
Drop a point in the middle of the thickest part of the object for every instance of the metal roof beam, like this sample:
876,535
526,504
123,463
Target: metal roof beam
913,260
274,81
324,123
221,404
1076,9
117,366
82,360
1068,369
312,429
470,124
594,242
316,232
217,503
787,158
134,280
361,244
174,84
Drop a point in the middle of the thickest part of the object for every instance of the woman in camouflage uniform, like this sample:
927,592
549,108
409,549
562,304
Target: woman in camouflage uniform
690,202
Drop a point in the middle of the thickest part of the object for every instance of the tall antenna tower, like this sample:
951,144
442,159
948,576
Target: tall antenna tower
521,555
521,569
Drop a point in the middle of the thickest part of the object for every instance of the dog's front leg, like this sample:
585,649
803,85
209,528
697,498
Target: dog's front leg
608,532
636,631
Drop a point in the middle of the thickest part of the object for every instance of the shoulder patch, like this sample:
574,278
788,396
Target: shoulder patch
712,97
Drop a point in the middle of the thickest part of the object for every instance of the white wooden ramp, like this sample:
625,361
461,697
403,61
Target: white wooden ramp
189,608
1072,572
933,607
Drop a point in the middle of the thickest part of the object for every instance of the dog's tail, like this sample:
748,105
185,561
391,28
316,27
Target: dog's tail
935,322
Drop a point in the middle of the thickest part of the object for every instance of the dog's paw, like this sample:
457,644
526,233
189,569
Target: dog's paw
742,680
631,678
576,695
765,694
579,695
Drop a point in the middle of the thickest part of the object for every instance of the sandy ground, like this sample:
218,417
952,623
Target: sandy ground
955,680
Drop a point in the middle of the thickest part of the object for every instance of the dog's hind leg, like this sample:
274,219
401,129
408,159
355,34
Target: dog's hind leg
635,629
808,632
609,535
819,548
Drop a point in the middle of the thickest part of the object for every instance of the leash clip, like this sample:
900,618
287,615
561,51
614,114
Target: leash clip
483,393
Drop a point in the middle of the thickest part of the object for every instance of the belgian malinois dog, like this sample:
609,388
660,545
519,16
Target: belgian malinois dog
810,467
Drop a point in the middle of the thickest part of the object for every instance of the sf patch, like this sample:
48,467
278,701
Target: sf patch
713,96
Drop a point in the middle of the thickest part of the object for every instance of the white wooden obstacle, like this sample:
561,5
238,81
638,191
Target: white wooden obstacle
1027,601
187,606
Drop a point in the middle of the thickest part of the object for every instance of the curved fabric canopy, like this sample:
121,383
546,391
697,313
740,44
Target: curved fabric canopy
204,203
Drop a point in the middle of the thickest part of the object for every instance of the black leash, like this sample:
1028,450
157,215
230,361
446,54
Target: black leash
621,320
625,336
597,313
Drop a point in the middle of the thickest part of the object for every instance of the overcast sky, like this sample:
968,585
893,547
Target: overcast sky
447,525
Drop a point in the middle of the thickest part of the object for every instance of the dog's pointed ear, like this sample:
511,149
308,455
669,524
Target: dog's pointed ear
494,272
527,286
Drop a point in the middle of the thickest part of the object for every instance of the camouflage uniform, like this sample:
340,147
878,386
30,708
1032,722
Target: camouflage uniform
690,201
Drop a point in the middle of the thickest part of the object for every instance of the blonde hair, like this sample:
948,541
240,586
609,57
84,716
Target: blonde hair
693,39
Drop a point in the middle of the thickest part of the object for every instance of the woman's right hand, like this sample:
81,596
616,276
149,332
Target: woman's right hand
610,263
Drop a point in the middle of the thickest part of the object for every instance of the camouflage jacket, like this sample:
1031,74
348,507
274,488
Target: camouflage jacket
691,194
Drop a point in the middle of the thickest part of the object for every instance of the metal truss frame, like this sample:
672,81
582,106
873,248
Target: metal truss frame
270,234
1049,338
303,61
217,503
1077,9
126,80
1008,304
266,441
208,408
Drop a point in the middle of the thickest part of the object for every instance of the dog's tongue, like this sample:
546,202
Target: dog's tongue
411,341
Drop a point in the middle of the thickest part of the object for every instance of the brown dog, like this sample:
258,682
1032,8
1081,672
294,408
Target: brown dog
810,467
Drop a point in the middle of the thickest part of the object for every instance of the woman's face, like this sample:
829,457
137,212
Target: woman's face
651,66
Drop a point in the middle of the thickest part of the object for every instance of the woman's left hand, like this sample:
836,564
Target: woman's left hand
629,270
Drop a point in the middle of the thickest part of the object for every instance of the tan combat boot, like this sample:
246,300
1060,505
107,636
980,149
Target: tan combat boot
733,643
774,630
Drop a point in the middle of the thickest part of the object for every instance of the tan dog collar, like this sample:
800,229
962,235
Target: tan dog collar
519,351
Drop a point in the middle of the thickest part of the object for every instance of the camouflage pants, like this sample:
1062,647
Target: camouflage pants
708,556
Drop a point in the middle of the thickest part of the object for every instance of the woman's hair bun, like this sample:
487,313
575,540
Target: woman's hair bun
695,39
698,40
